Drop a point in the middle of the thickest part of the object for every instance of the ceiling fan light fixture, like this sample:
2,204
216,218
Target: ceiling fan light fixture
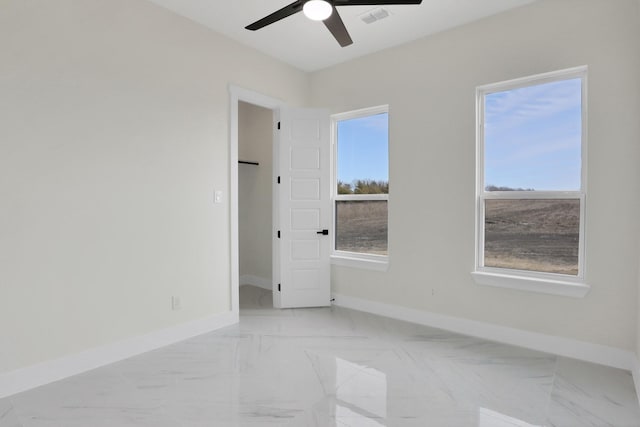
317,10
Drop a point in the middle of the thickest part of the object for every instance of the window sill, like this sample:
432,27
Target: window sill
532,284
355,261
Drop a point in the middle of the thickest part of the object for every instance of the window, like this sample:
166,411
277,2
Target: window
361,187
530,183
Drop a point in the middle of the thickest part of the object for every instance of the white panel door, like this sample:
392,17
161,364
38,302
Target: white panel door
305,208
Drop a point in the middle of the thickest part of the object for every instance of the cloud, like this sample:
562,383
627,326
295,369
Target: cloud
518,107
533,136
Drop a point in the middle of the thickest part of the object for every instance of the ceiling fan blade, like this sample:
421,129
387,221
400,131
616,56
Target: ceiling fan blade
288,10
336,26
373,2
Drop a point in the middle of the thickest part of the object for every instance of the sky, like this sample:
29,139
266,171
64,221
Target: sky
533,137
363,148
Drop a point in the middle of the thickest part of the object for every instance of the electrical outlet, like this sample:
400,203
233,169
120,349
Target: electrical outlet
175,303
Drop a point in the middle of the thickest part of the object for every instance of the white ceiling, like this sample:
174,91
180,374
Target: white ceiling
309,46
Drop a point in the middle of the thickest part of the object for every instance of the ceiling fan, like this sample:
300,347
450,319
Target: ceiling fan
324,10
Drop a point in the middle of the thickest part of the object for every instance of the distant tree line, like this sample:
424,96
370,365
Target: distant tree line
497,188
364,186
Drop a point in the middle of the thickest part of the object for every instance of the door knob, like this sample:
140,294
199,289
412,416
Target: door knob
323,232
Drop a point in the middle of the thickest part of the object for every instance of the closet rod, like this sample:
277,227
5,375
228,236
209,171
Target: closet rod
245,162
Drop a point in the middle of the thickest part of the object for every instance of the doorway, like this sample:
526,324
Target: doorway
300,202
255,206
252,111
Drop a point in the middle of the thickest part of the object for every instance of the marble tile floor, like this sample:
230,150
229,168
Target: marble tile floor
332,367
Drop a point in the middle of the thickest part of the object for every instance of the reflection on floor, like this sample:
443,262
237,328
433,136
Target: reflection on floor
253,300
332,367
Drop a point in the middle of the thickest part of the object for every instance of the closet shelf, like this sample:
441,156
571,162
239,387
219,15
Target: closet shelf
247,162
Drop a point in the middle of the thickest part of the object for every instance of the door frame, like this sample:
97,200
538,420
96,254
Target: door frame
237,94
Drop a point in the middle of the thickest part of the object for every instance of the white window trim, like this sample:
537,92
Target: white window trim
547,283
345,258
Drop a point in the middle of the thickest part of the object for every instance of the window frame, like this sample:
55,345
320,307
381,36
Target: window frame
534,281
347,258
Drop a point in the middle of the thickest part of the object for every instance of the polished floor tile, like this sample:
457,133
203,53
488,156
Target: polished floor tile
8,417
590,395
332,367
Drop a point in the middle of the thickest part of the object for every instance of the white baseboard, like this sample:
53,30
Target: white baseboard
260,282
636,375
595,353
47,372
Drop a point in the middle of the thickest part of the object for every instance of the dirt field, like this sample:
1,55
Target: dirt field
362,227
535,235
540,235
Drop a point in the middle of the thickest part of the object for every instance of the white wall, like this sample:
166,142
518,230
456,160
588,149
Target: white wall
255,134
638,320
638,306
113,137
430,86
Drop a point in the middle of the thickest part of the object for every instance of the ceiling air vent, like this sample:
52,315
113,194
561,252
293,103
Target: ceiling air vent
374,15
